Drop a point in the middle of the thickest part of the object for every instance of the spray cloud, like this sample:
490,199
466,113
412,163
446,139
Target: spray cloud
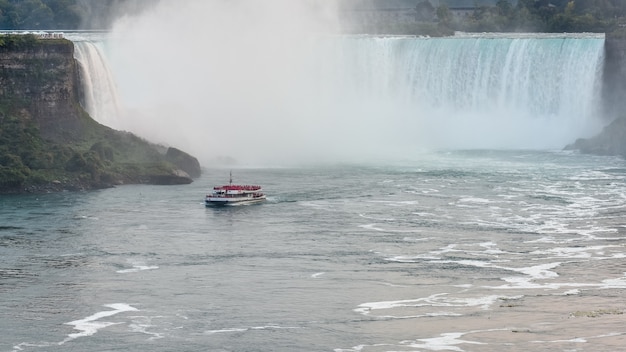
219,78
271,82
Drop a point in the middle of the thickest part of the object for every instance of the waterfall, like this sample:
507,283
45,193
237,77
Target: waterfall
356,95
512,91
99,92
539,77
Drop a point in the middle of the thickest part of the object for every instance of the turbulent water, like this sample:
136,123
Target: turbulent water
456,251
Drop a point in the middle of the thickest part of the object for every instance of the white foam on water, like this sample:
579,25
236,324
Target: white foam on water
412,239
395,203
575,252
23,345
424,214
141,324
446,341
595,175
573,292
432,255
136,267
582,339
491,248
375,218
525,283
251,328
355,348
619,282
316,275
475,200
575,340
536,272
367,308
210,332
411,259
90,325
435,300
425,315
375,227
371,227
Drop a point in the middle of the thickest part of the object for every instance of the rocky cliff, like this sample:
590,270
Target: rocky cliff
49,143
612,140
614,80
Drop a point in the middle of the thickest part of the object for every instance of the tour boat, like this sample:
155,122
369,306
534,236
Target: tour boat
231,194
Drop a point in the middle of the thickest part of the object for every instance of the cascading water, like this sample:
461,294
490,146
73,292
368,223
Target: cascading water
538,76
356,95
99,92
472,92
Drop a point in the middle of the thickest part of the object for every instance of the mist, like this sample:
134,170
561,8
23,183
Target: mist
222,78
271,83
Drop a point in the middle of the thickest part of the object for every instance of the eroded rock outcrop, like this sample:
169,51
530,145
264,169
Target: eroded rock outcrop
611,141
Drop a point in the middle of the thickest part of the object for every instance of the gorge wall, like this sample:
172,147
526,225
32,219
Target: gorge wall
612,140
614,90
49,143
39,82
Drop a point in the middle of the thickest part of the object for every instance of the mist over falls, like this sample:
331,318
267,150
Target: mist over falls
279,97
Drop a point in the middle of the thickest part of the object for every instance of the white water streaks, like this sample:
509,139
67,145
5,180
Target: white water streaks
136,267
440,300
142,324
250,328
92,324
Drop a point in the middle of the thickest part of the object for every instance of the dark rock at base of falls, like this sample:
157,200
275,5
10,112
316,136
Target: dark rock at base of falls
611,141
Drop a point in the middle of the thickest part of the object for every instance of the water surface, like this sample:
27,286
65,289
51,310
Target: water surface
459,251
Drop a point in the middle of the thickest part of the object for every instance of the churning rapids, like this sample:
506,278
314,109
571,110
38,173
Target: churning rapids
474,248
456,251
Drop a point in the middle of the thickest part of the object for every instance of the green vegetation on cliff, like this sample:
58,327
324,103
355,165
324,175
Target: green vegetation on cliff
49,143
431,17
540,16
64,14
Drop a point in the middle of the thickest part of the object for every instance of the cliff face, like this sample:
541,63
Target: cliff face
614,89
49,143
612,140
39,82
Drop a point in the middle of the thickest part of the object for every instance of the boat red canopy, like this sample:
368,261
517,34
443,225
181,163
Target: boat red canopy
237,188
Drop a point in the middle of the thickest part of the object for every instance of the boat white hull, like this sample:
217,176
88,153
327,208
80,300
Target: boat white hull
231,201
